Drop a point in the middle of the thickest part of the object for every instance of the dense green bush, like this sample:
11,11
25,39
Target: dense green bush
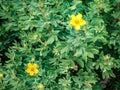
39,49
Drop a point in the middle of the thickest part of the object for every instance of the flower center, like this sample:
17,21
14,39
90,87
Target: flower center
77,21
32,69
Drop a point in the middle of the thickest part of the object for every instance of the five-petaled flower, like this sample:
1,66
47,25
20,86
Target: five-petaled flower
77,21
32,69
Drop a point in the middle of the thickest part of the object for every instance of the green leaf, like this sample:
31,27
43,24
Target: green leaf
80,62
50,40
78,52
94,51
84,56
89,54
64,49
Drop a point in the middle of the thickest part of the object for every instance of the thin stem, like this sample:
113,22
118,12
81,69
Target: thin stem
98,7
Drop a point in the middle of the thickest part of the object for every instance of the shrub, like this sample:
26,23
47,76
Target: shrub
41,48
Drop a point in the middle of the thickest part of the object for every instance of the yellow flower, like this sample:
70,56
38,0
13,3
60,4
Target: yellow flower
1,75
77,21
40,87
32,69
35,36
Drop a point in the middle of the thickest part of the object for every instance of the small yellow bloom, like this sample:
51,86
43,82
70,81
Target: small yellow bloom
40,87
32,69
35,36
1,75
77,21
66,68
44,44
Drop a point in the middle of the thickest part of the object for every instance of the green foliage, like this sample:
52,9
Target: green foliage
38,31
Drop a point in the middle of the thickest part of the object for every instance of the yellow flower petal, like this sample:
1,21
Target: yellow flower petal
83,22
79,16
73,16
35,65
77,27
29,64
31,73
72,23
36,71
27,70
